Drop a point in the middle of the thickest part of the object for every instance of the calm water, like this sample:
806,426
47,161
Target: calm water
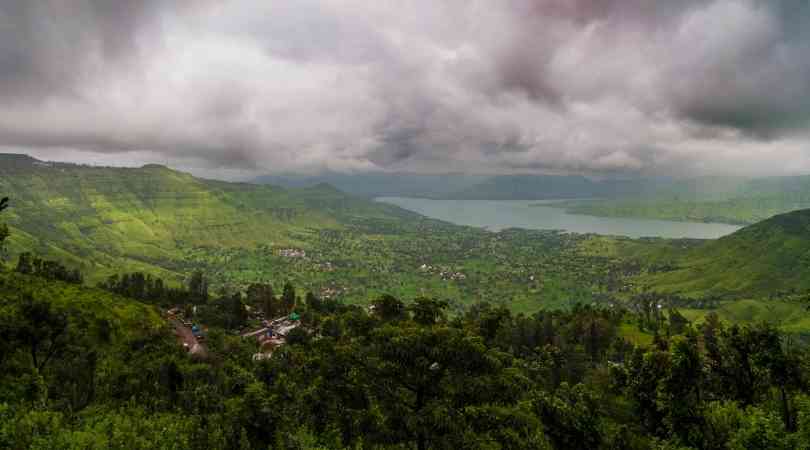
497,215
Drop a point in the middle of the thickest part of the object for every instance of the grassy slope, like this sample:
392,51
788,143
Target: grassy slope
768,257
739,211
114,220
791,317
128,318
731,200
107,220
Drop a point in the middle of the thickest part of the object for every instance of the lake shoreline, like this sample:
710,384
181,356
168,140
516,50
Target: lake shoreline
497,215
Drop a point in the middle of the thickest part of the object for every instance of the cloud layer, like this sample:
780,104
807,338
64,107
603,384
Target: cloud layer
591,86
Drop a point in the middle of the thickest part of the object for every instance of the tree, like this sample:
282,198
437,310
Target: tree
261,296
680,392
570,416
4,233
288,297
238,314
24,264
313,302
388,308
645,373
677,322
297,336
42,330
784,371
736,368
428,311
437,388
198,287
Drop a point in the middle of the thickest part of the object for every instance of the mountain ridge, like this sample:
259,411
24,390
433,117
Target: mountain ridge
762,259
107,219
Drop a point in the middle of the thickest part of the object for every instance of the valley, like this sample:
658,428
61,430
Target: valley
420,225
108,221
152,286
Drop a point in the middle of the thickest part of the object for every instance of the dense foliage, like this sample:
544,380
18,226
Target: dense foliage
167,224
85,369
404,375
759,260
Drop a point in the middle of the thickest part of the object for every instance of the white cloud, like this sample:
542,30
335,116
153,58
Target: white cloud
717,86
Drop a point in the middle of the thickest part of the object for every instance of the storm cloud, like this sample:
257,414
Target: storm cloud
579,86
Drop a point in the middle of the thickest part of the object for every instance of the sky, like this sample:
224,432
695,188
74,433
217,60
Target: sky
229,87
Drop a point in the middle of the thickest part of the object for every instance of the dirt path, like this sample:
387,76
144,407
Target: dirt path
185,336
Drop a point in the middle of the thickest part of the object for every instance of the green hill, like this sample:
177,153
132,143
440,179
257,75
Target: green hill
734,200
544,187
379,184
768,257
107,220
125,319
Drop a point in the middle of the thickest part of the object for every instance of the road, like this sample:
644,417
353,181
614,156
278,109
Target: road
185,336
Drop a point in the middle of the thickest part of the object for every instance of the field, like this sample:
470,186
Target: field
526,270
107,221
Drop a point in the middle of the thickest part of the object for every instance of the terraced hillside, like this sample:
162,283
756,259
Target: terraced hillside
104,220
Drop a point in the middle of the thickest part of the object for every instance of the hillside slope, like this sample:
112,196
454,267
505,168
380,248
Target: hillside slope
91,308
765,258
379,184
105,220
734,200
544,187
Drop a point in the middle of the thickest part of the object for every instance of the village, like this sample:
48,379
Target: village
269,335
525,267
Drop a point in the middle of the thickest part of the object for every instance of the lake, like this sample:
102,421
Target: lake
541,215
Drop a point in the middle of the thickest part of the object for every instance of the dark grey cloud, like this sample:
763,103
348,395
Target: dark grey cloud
48,46
591,86
746,66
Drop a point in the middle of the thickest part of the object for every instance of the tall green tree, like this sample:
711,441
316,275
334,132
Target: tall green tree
441,388
288,297
680,392
260,295
237,312
428,311
42,330
4,233
198,287
387,307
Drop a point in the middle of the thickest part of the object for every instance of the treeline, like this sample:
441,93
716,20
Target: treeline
4,232
226,309
403,375
154,290
396,375
29,264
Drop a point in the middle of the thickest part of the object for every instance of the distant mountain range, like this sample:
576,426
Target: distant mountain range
726,199
538,186
467,187
740,201
380,184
